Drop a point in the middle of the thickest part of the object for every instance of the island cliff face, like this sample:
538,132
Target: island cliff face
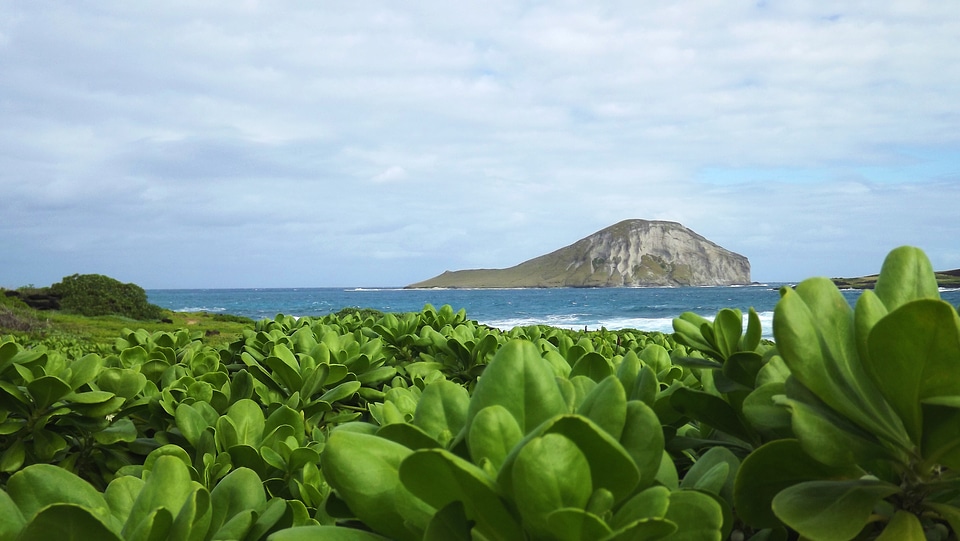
632,253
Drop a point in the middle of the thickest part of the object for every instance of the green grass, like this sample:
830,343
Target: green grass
218,329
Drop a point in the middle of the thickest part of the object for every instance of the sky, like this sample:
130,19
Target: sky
376,143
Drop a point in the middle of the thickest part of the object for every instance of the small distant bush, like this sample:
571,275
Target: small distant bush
98,295
230,318
361,313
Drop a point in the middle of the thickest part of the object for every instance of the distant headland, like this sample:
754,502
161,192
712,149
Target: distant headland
631,253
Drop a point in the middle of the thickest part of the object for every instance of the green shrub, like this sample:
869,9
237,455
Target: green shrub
98,295
230,318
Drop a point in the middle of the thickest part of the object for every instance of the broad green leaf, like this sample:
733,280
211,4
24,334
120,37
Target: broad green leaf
241,489
124,382
667,473
743,368
442,410
155,526
713,472
191,423
120,495
12,521
904,526
727,327
133,357
284,363
629,370
766,416
906,275
193,519
169,450
247,456
276,515
13,457
302,456
492,435
550,473
66,522
698,516
46,444
611,467
751,339
650,503
947,512
813,327
326,533
582,386
84,370
830,438
830,510
519,380
377,375
237,527
915,355
284,415
46,390
440,478
449,524
168,487
592,365
40,485
574,524
364,470
941,432
774,371
646,387
648,529
687,328
867,312
340,392
248,423
606,405
642,438
711,410
408,435
656,357
768,470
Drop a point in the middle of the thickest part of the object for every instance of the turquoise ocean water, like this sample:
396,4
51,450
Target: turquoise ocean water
648,309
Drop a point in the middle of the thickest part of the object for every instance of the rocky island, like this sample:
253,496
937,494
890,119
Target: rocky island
632,253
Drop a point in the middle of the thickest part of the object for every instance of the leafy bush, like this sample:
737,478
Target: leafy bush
98,295
430,426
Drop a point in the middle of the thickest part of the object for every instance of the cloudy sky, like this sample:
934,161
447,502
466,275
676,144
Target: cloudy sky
378,143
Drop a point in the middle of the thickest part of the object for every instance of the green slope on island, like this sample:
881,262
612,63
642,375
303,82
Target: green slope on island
631,253
949,278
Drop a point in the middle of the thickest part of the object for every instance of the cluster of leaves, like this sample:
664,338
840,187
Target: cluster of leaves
363,426
98,295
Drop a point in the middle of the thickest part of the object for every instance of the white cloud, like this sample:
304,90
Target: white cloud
810,137
393,173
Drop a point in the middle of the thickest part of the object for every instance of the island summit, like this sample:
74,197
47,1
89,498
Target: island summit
631,253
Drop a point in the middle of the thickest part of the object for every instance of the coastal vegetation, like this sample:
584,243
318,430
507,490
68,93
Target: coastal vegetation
364,425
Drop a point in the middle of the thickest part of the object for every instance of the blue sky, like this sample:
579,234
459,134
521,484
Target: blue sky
271,144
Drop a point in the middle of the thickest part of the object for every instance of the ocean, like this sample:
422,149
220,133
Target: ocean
647,309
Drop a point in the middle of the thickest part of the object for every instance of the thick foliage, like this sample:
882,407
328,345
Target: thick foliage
98,295
364,426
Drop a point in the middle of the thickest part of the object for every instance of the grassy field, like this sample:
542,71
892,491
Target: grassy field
18,319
